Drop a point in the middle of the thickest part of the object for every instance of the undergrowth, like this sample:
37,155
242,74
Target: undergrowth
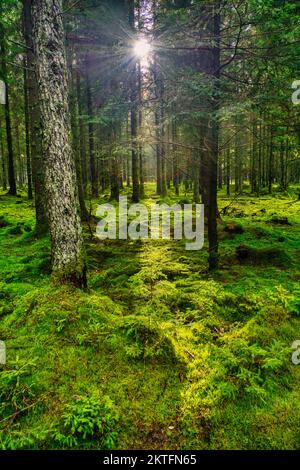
157,353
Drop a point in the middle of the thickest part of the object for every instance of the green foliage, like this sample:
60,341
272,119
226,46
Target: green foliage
209,356
16,387
88,417
145,340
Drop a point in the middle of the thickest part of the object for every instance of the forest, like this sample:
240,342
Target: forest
114,335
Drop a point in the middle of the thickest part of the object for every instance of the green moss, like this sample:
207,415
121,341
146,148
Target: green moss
184,358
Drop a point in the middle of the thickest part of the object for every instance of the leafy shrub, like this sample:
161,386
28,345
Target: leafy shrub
240,307
294,303
15,389
144,340
88,418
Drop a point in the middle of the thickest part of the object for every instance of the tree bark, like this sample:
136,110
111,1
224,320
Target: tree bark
94,179
11,169
213,258
68,262
133,115
27,134
41,226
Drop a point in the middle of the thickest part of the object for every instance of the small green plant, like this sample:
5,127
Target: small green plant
88,418
145,340
16,391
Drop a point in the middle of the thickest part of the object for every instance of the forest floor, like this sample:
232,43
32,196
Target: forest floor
157,353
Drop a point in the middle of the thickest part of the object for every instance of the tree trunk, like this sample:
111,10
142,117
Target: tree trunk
41,226
3,158
11,170
60,175
94,179
213,258
270,166
27,135
81,133
76,143
133,114
140,146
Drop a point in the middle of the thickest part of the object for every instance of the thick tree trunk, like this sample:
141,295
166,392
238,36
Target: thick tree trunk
60,175
34,126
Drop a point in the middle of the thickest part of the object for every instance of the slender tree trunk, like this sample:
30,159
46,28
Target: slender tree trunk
161,92
228,169
93,171
220,173
19,167
11,169
81,133
158,154
76,143
140,146
213,258
133,114
60,175
27,134
254,158
270,166
175,157
3,158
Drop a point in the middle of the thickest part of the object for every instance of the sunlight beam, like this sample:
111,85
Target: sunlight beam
142,48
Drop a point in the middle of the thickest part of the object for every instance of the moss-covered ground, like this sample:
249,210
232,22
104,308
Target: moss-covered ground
157,353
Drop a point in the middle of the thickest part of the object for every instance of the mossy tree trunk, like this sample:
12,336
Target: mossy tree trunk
60,175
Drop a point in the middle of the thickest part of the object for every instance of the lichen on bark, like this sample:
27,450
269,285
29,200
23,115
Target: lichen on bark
60,173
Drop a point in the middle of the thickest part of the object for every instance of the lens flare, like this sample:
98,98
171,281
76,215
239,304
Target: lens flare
142,48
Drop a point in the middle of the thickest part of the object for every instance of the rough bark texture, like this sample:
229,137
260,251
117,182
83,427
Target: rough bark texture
41,226
60,175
